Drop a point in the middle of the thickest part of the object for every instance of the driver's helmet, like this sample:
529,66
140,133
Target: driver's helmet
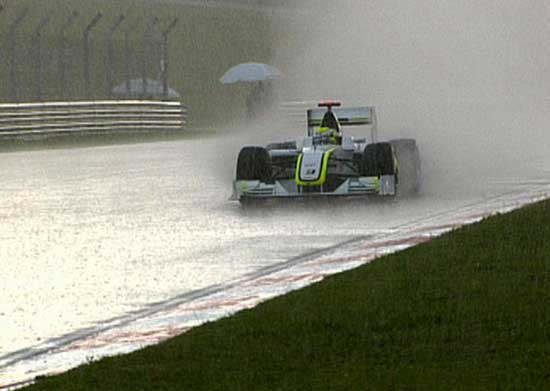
326,131
332,135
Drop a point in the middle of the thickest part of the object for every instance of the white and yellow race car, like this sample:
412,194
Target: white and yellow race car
329,163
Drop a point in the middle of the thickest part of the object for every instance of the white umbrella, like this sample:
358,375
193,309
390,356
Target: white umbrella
250,72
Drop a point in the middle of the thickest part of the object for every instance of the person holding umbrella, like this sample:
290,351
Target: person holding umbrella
261,96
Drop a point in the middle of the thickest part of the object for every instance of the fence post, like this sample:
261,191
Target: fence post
111,67
62,57
165,57
13,54
87,31
2,54
147,39
128,54
37,35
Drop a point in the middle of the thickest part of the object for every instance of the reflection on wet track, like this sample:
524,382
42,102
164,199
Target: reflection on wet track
94,239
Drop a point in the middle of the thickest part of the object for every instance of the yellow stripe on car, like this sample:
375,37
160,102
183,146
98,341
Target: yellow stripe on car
324,170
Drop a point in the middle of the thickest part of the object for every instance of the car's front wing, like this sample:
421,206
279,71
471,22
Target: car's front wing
254,189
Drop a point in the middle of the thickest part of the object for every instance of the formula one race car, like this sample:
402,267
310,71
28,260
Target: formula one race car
329,163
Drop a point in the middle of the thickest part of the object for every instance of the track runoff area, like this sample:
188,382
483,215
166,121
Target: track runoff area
167,319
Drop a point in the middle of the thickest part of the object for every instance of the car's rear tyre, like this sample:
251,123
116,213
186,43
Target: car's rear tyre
378,160
409,169
254,163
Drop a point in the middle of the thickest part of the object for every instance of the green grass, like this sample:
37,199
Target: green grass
468,311
204,44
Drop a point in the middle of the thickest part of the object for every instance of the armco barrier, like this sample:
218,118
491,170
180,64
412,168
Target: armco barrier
17,119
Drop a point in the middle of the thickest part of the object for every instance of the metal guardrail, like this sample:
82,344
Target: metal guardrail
90,116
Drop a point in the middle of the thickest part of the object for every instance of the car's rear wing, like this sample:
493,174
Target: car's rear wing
347,116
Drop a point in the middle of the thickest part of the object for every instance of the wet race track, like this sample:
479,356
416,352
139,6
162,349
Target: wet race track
94,238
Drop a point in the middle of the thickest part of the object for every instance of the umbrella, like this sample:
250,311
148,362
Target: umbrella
154,88
250,72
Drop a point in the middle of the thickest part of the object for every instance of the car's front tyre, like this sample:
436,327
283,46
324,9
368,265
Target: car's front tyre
254,163
378,160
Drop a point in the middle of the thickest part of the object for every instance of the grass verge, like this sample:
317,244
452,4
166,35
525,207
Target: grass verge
466,311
